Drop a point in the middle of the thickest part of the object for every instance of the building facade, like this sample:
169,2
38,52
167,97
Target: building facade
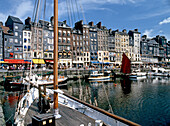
64,44
161,40
93,44
1,41
121,45
102,38
111,46
13,38
27,39
134,45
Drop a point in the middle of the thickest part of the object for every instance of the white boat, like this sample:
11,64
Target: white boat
39,80
156,71
137,75
99,76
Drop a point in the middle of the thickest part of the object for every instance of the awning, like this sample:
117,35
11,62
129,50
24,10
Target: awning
16,61
27,61
94,61
3,62
49,61
38,61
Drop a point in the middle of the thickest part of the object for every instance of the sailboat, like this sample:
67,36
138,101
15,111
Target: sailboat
76,112
126,69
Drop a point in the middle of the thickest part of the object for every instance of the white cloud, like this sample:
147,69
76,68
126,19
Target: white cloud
20,9
165,21
24,8
148,33
3,17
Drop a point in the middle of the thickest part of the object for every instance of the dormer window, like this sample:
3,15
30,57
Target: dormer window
16,27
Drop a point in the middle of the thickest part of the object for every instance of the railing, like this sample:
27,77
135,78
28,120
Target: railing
93,112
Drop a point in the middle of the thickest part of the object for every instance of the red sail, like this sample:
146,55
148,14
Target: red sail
126,66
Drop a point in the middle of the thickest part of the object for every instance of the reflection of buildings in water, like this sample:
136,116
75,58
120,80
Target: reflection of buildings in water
94,95
126,86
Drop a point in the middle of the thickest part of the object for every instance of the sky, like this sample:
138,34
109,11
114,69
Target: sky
150,17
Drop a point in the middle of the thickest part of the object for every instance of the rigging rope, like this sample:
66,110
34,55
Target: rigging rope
69,12
73,11
83,13
77,10
34,10
69,17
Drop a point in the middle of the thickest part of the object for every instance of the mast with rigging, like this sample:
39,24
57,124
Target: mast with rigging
56,110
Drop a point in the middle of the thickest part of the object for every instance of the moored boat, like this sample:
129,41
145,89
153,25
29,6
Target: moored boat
99,76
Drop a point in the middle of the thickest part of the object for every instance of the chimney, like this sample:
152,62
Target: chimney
79,25
117,30
91,23
124,30
1,23
52,20
65,22
110,31
28,21
136,30
99,25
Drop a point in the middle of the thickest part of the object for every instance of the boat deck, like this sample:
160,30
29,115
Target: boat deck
69,117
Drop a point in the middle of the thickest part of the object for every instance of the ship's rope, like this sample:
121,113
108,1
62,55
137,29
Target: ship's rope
69,16
72,8
83,12
69,12
77,10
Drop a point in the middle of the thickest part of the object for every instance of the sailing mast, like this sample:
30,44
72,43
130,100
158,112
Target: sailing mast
55,66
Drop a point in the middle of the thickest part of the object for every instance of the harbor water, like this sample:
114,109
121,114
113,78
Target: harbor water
146,101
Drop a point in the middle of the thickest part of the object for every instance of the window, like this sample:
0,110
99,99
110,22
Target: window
16,56
68,33
40,32
16,40
68,40
64,33
64,40
68,47
59,40
40,40
28,34
25,34
11,40
16,33
25,40
45,55
50,55
59,33
28,40
16,27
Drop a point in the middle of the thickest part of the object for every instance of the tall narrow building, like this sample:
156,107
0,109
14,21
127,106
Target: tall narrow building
134,45
1,41
102,38
13,38
121,45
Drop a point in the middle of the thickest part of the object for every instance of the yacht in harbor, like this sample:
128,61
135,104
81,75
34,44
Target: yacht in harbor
99,75
157,71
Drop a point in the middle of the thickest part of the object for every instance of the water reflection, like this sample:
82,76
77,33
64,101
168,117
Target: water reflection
144,101
126,85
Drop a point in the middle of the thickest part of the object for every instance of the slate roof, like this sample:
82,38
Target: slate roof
15,19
